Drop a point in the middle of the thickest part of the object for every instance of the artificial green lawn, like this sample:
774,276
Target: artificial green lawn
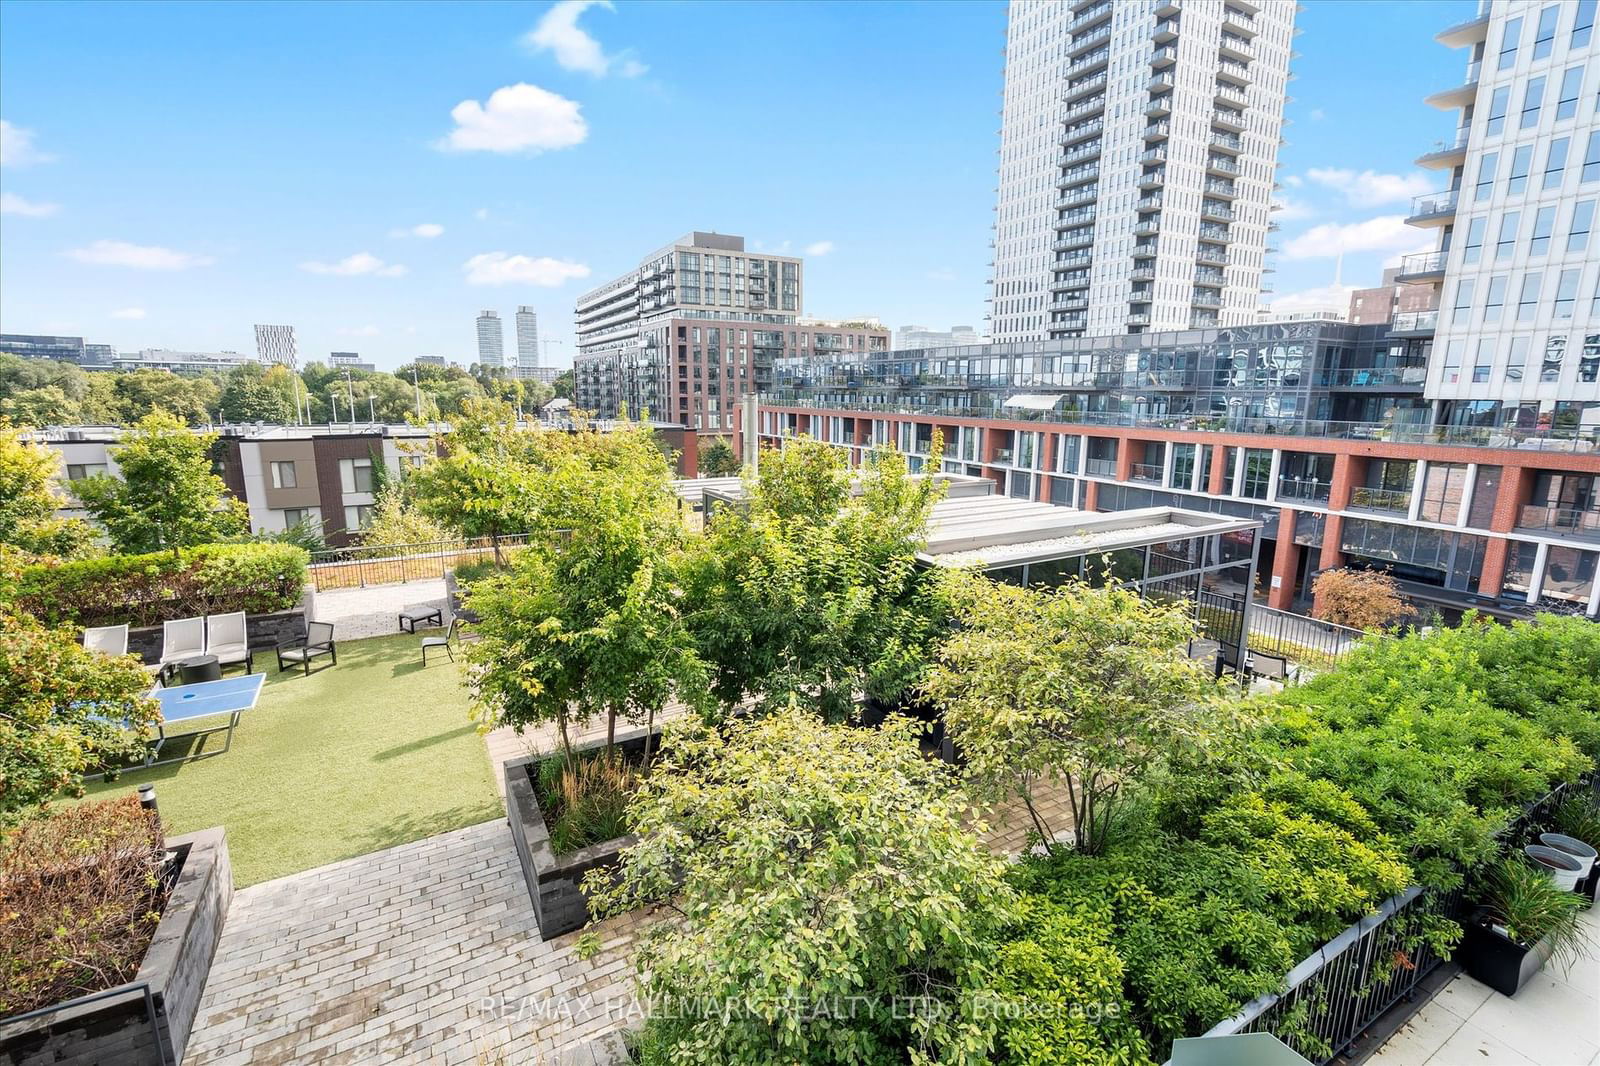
361,756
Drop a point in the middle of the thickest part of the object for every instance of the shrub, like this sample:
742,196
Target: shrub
585,800
81,893
143,590
1360,599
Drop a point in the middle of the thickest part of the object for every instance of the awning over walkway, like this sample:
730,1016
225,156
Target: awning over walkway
1033,401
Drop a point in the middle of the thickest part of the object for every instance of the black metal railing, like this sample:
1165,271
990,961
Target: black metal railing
1302,640
393,564
1338,991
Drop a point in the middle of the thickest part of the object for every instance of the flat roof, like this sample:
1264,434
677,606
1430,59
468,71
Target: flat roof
993,531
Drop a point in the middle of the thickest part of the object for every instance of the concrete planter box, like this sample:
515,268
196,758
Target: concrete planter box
262,631
555,881
115,1028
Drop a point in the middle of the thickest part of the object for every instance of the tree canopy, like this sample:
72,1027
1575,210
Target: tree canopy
28,499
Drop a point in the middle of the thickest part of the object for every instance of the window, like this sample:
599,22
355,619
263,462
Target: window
1528,302
1508,43
1452,362
1516,358
79,471
1485,360
1543,223
1582,219
1571,86
1589,362
1591,159
293,516
1257,473
1545,33
1521,160
1508,235
1443,486
355,475
1566,293
1555,163
1532,100
1498,102
1583,23
1463,304
283,475
1474,245
1486,175
1555,350
357,515
1496,299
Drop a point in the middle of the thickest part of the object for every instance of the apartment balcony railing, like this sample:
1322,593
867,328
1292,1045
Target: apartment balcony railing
1214,233
1229,68
1161,83
1218,212
1166,30
1160,107
1164,56
1146,472
1078,197
1153,155
1308,490
1072,279
1240,46
1068,241
1074,321
1148,228
1377,377
1415,322
1088,62
1074,134
1072,303
1238,21
1148,203
1088,17
1211,256
1080,259
1092,106
1143,274
1415,266
1222,165
1152,178
1227,142
1003,455
1210,277
1074,218
1146,248
1214,187
1100,467
1078,89
1207,298
1433,206
1382,501
1567,521
1231,97
1088,151
1454,147
1090,39
1141,294
1078,175
1157,131
1138,318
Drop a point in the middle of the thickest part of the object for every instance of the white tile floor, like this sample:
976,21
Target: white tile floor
1553,1021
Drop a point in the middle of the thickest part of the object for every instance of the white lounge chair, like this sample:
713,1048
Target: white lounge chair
107,640
182,638
228,640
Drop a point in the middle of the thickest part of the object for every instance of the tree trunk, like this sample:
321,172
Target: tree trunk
649,733
611,733
1045,835
566,741
494,540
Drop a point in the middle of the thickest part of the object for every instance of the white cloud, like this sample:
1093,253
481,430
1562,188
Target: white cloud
1394,260
1370,188
517,118
819,248
773,249
17,148
1293,210
558,32
12,204
355,265
499,268
425,229
1294,181
1321,298
1317,114
481,214
137,256
357,331
134,313
1386,233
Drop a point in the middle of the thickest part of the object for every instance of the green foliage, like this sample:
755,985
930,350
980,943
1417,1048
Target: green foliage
586,620
28,500
1058,989
81,892
396,520
584,800
1528,904
564,385
305,534
475,488
809,867
167,497
1578,816
718,459
1088,686
138,590
253,393
64,711
811,593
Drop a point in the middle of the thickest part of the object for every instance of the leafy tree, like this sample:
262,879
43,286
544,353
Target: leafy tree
1090,686
62,712
565,384
28,499
806,866
1360,599
44,406
809,592
475,488
250,394
19,375
396,521
586,622
167,497
718,460
192,398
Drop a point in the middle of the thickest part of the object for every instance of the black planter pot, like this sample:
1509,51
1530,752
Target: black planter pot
1497,960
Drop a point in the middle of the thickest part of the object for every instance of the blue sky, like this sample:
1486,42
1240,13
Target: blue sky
173,174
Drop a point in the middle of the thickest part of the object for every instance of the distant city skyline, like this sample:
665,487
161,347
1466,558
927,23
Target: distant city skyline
474,183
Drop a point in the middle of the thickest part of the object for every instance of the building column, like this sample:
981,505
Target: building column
1125,459
1285,563
1346,468
1516,484
1219,455
1091,495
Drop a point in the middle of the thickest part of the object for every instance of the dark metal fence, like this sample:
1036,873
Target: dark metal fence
1300,639
1342,988
390,564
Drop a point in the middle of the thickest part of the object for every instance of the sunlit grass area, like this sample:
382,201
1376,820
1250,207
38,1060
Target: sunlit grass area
364,755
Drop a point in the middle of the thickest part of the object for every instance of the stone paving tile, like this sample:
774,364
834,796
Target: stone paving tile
427,952
374,611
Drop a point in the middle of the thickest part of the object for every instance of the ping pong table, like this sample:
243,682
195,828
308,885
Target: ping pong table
187,703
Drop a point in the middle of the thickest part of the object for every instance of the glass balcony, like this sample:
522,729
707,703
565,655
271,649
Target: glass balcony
1083,64
1139,319
1415,322
1082,130
1089,39
1433,208
1088,151
1235,46
1207,298
1227,142
1381,501
1075,218
1157,131
1161,83
1079,89
1230,96
1077,197
1151,179
1218,164
1147,228
1374,377
1078,175
1087,18
1153,155
1160,107
1164,56
1211,255
1092,106
1166,31
1101,467
1068,241
1149,203
1413,267
1214,233
1307,490
1146,472
1232,120
1565,521
1214,187
1217,212
1210,277
1229,68
1143,274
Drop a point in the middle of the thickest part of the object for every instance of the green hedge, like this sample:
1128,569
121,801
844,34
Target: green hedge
143,590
